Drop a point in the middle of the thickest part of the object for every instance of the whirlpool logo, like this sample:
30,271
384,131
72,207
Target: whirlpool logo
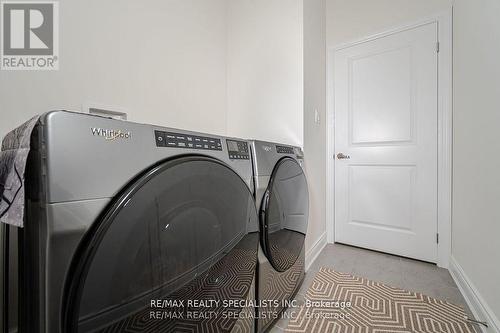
110,134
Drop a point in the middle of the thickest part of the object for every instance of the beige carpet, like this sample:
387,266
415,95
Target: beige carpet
373,308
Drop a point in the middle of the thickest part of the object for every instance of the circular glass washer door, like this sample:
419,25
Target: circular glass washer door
166,253
284,214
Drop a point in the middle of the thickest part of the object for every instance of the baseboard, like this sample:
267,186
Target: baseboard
315,250
476,302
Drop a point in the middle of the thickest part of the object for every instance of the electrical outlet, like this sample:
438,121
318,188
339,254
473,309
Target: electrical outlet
108,111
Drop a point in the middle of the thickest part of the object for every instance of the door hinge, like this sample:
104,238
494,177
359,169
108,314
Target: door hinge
437,47
437,238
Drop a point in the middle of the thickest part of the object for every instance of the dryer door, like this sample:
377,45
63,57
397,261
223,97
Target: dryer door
167,253
284,214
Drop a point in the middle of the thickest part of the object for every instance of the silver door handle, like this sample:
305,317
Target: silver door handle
341,156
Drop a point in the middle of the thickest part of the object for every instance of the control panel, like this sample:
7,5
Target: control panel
177,140
238,150
284,150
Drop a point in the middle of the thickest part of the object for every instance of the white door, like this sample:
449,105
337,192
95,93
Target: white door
386,126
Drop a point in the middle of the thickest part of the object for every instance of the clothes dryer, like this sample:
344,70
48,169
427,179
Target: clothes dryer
126,225
282,199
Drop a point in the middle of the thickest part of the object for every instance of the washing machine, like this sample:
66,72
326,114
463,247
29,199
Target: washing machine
131,227
282,199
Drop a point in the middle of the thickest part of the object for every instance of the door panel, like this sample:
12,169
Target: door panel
381,196
179,233
386,126
381,113
284,214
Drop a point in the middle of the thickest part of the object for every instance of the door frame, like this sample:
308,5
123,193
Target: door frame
444,22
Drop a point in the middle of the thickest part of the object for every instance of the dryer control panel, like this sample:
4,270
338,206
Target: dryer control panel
284,150
238,150
179,140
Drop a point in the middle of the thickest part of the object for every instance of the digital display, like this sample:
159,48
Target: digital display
238,150
232,145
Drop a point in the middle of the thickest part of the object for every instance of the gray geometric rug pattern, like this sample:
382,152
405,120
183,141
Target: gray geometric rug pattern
374,308
231,278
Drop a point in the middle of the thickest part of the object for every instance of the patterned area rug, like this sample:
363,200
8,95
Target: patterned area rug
231,278
339,302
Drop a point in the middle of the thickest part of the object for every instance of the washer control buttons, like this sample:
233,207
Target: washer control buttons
160,139
178,140
284,150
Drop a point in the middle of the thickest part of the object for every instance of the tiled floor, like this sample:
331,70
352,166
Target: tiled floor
395,271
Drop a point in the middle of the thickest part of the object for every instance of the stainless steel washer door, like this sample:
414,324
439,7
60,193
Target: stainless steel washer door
284,214
177,234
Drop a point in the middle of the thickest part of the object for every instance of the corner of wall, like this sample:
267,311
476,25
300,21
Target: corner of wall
477,304
315,250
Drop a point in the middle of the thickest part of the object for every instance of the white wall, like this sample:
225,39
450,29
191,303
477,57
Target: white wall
178,63
349,20
265,72
476,159
315,98
163,60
